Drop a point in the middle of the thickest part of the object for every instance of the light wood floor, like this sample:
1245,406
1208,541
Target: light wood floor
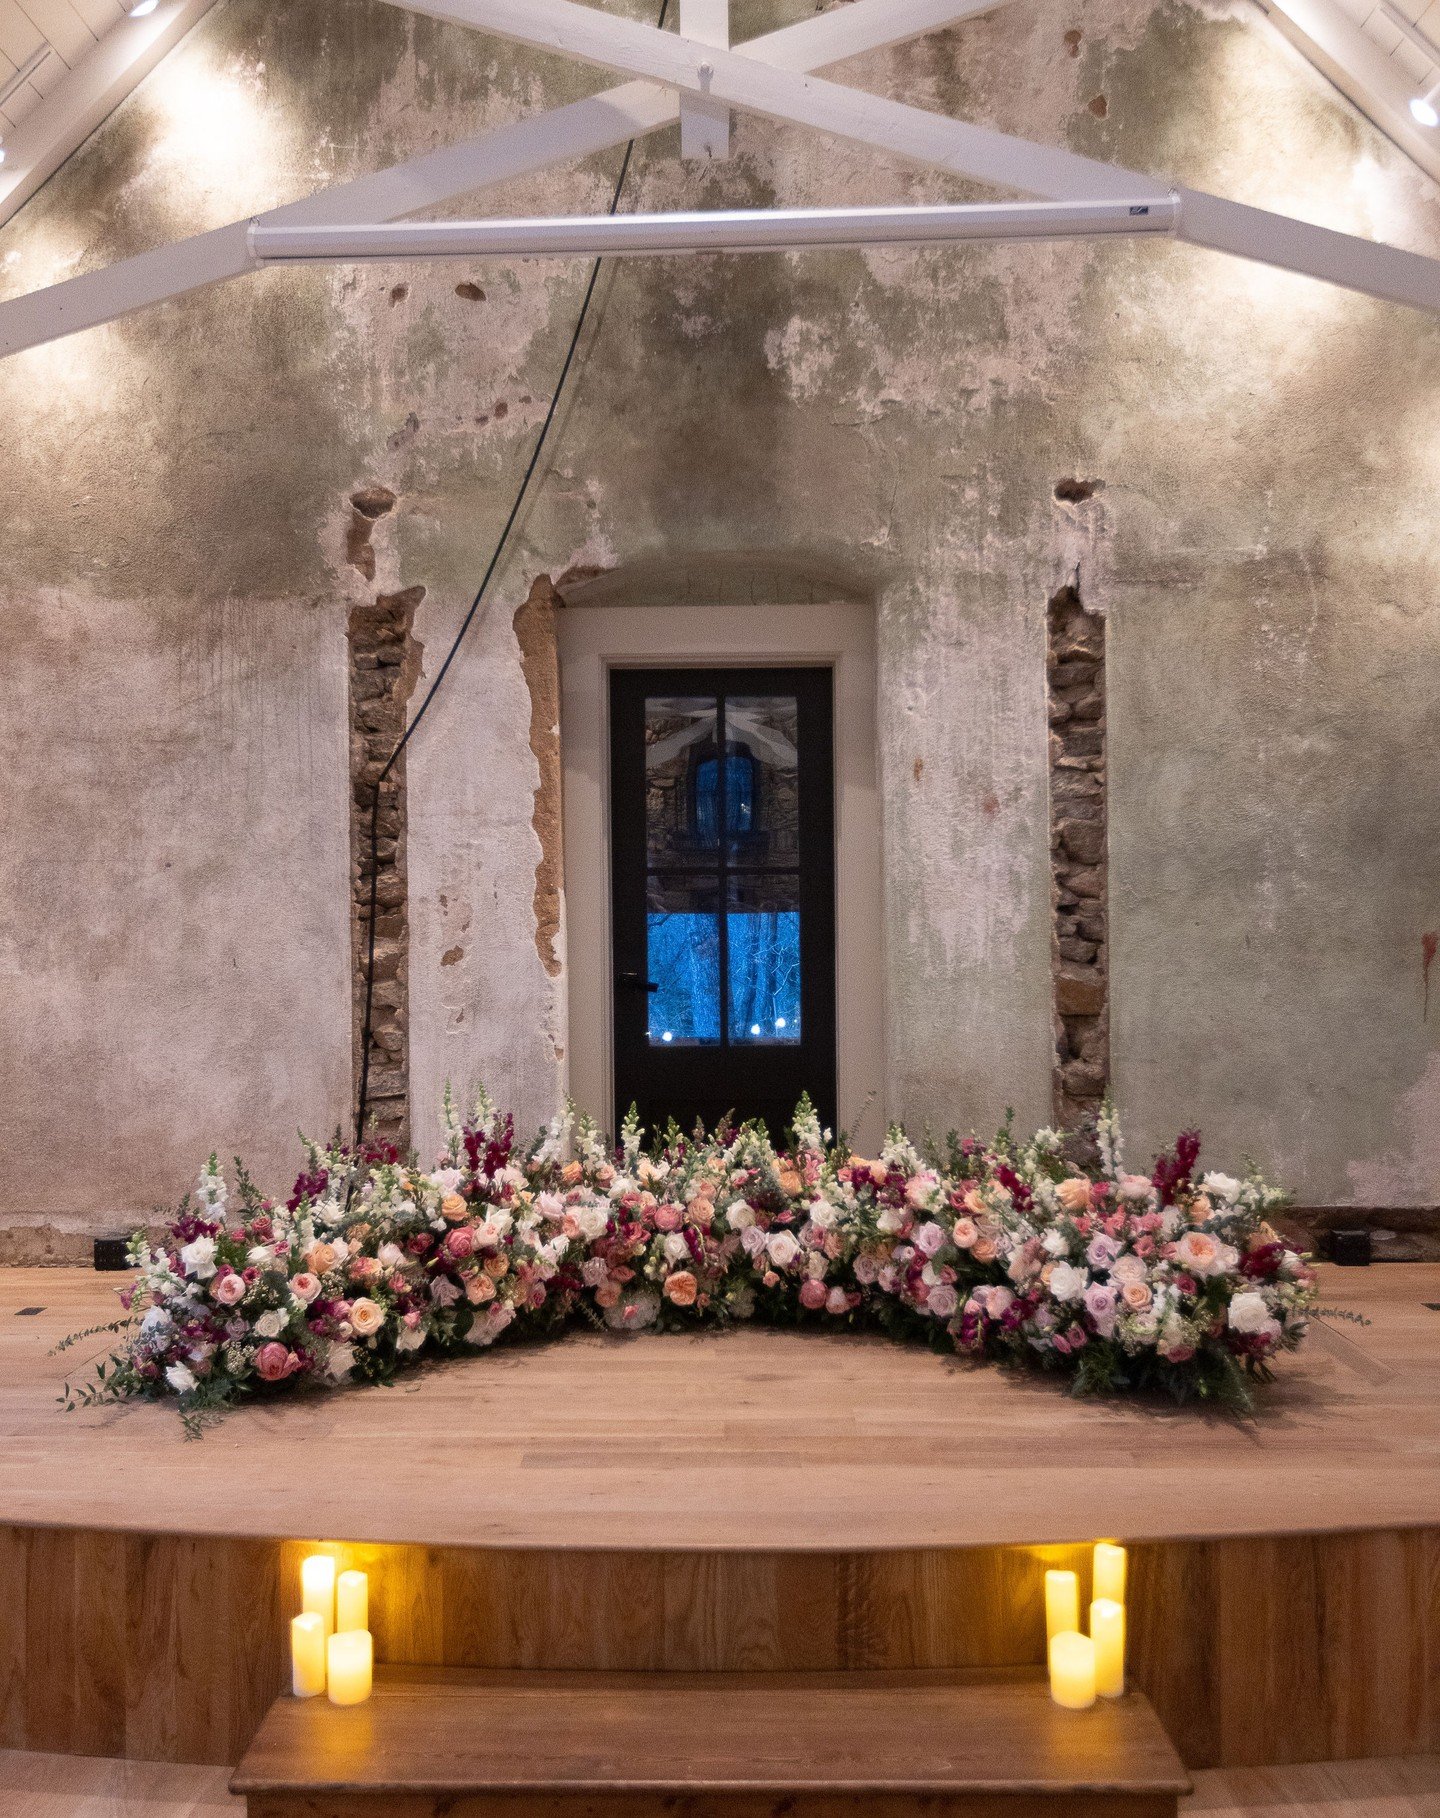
65,1786
745,1440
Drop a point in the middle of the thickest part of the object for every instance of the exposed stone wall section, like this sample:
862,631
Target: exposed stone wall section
540,663
1075,697
384,667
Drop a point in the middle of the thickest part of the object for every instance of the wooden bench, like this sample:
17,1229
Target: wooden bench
451,1743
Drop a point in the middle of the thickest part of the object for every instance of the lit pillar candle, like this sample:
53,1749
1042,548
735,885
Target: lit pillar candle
1072,1670
350,1660
1109,1576
1062,1603
1107,1631
317,1589
352,1601
307,1655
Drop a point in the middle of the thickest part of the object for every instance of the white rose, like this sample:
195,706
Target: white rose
180,1378
676,1248
822,1213
1249,1312
339,1361
1055,1243
891,1219
1067,1282
592,1220
271,1324
740,1216
783,1248
260,1257
390,1256
409,1338
1221,1186
198,1258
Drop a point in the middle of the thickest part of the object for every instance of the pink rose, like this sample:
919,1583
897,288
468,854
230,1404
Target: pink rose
274,1362
813,1293
667,1218
1199,1252
459,1243
304,1286
1101,1252
607,1294
1100,1305
228,1289
965,1233
928,1239
943,1301
867,1270
838,1301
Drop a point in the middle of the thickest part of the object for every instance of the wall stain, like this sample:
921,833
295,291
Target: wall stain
1428,944
534,624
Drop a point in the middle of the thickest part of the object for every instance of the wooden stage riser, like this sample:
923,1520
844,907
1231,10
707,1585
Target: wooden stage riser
1282,1649
789,1805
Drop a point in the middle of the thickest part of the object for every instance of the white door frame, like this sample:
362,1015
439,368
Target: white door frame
593,640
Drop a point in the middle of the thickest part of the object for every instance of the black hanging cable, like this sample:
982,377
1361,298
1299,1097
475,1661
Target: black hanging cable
367,1024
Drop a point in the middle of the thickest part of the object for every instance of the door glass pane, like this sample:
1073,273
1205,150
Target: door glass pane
682,934
762,744
763,928
681,778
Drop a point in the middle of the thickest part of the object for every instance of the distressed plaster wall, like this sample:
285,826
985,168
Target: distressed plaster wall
1263,547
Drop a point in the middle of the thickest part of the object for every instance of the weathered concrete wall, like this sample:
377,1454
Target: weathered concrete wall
1263,544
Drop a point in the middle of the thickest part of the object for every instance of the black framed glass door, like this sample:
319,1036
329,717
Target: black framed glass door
722,819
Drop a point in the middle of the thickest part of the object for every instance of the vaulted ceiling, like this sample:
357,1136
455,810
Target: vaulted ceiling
64,65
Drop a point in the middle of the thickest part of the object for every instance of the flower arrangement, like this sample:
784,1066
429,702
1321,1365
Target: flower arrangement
1170,1281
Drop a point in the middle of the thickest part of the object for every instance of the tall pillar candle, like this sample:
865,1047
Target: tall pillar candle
1109,1572
307,1655
350,1660
317,1588
352,1602
1107,1631
1072,1670
1062,1603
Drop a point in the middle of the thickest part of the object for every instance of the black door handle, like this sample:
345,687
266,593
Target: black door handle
635,982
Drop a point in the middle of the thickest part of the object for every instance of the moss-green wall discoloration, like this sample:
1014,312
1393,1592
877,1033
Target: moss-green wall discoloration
1263,545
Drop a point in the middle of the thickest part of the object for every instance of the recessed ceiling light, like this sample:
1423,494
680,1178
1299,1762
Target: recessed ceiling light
142,7
1424,112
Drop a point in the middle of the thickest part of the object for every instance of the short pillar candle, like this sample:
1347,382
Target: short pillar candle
352,1601
349,1658
307,1655
317,1588
1072,1670
1062,1603
1107,1631
1109,1573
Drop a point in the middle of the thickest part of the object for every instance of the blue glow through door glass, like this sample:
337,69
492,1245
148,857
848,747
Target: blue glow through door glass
763,932
682,934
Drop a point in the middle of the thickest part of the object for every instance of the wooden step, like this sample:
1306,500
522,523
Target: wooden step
449,1743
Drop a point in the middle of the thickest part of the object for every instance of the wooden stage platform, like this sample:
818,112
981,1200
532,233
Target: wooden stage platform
749,1501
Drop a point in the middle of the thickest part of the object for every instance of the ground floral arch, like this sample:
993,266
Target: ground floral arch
1171,1281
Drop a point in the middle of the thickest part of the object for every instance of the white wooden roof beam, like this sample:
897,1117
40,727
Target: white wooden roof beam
705,125
579,130
957,146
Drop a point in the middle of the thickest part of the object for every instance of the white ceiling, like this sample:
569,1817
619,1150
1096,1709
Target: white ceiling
64,30
1365,53
78,59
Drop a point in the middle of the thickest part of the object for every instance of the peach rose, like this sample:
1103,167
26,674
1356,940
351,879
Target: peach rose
973,1200
790,1179
454,1207
607,1294
572,1173
984,1249
1073,1194
1136,1295
497,1266
479,1289
320,1257
681,1288
365,1317
1199,1252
